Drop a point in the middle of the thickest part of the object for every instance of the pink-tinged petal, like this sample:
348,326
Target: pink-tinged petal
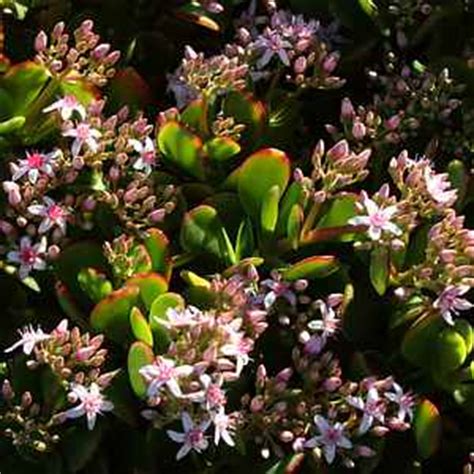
14,346
227,438
359,220
91,418
72,132
329,452
321,423
37,209
175,436
137,146
75,412
345,443
392,228
14,256
76,147
375,233
174,388
45,226
187,421
183,452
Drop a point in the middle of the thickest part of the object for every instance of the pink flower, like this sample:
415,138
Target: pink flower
212,396
83,135
272,43
193,437
377,219
93,403
329,323
373,408
66,107
147,152
404,401
29,339
182,317
331,437
223,426
449,302
439,187
279,289
30,257
35,164
53,215
164,373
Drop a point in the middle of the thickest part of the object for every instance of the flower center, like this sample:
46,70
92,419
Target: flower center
28,256
195,436
92,404
36,160
55,212
83,131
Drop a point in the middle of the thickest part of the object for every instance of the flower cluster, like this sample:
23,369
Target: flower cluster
86,58
77,361
308,407
288,45
199,76
112,160
208,348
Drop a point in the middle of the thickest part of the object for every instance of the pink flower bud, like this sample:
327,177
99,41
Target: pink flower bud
6,228
7,390
330,63
189,53
300,65
319,196
257,403
87,26
58,30
261,376
339,151
380,431
114,173
359,130
112,58
101,51
13,191
393,122
284,375
41,42
53,252
157,216
286,436
244,36
347,109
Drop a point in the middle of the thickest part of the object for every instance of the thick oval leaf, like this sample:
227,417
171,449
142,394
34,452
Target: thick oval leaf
294,195
139,355
11,125
379,269
158,314
462,327
221,149
450,350
151,285
181,148
202,232
427,425
294,225
140,328
194,116
319,266
258,174
111,315
417,343
269,211
245,242
157,245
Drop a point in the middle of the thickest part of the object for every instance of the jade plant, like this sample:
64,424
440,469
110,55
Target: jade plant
230,284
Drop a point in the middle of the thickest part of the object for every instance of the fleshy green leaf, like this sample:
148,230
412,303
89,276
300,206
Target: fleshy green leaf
157,245
259,173
379,269
221,149
450,350
111,315
139,355
319,266
294,225
140,328
151,285
269,210
427,425
181,148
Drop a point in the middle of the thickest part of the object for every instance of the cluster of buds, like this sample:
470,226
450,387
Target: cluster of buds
211,6
288,45
21,422
367,126
112,157
423,191
126,257
408,16
424,101
208,348
339,167
307,407
198,76
87,58
76,360
448,267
